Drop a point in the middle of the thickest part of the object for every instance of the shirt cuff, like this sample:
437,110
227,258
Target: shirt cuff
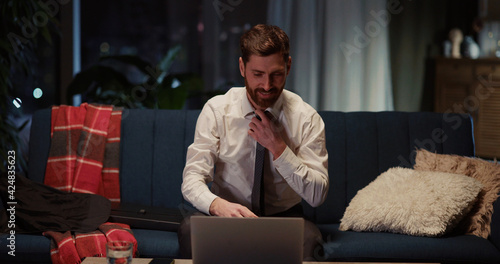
287,163
205,200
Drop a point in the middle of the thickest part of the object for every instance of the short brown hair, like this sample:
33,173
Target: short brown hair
264,40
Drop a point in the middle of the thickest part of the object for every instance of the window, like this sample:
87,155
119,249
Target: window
207,31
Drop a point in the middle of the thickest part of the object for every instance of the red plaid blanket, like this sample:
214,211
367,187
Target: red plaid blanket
71,247
84,158
84,151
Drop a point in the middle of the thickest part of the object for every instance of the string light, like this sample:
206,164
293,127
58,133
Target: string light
17,102
37,93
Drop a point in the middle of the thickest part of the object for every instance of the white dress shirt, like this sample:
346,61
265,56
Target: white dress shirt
223,153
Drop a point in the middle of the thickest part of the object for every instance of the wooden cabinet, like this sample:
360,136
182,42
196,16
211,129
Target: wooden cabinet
473,87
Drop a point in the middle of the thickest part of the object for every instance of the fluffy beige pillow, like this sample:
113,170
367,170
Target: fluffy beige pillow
488,173
406,201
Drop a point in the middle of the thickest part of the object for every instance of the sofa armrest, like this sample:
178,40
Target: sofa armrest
495,224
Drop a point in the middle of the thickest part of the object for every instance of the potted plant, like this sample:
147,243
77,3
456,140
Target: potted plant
108,82
23,23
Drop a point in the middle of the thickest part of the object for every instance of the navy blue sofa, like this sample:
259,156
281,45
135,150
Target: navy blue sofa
361,145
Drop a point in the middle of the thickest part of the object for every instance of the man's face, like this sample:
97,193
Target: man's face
265,78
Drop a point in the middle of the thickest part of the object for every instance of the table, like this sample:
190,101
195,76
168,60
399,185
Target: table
102,260
94,260
188,261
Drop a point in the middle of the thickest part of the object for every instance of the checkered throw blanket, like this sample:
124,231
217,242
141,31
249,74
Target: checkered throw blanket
84,151
69,247
84,158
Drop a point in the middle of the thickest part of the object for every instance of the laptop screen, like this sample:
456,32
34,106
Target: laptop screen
262,240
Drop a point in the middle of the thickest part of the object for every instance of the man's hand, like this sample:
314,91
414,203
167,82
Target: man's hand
221,207
267,133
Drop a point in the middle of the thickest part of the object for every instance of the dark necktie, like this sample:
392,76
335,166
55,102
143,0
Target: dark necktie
258,183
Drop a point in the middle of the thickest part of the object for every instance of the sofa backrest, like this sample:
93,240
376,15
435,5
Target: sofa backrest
361,145
153,149
153,155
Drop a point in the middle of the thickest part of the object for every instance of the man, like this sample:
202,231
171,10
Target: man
230,127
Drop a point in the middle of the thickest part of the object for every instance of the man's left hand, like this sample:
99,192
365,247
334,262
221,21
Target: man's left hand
267,133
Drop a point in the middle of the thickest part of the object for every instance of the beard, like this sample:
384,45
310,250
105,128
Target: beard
263,102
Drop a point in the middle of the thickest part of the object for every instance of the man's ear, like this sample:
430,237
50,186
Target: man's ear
242,67
288,65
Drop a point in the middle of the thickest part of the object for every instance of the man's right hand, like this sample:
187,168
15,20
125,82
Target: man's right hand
221,207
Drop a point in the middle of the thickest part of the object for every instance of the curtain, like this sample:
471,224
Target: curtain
416,35
340,52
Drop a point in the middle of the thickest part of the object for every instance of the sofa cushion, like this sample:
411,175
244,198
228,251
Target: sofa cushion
488,173
28,248
406,201
390,247
156,243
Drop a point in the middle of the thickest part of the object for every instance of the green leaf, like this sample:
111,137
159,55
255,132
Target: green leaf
169,59
136,61
46,34
192,81
170,98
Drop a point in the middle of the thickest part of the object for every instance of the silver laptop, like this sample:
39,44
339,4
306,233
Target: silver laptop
265,240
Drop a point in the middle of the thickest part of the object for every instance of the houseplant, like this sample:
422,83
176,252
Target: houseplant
108,82
24,23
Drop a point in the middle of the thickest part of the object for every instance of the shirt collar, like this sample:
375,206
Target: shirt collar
246,106
248,111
